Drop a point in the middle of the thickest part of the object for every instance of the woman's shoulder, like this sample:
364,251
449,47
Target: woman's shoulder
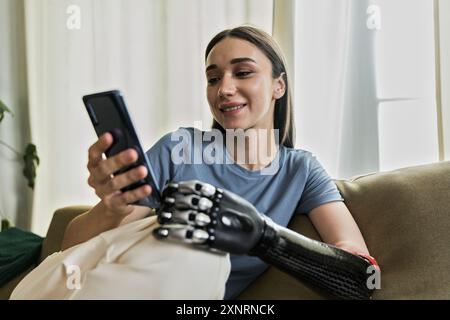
299,157
297,154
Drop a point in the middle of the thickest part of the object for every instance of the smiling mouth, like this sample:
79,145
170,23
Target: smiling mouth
235,108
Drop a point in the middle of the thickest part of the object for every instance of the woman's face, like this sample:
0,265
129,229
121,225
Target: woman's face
241,91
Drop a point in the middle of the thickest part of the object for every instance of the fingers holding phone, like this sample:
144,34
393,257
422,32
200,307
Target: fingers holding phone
102,169
108,186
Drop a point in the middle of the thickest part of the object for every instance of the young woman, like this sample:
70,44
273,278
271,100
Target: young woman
248,90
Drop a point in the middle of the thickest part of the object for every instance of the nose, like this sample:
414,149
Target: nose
227,87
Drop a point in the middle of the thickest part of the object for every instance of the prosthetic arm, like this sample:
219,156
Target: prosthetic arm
200,214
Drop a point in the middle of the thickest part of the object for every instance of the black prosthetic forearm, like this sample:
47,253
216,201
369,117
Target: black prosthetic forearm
339,272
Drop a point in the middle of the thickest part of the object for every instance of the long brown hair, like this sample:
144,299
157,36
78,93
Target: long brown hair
283,119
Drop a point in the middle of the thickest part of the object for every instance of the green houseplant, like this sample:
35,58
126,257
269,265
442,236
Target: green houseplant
29,157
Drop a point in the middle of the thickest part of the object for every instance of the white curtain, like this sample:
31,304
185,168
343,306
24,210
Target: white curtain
152,50
364,83
442,33
15,196
362,73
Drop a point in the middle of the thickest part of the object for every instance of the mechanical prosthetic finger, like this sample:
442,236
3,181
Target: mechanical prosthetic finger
197,187
190,217
189,201
192,187
184,234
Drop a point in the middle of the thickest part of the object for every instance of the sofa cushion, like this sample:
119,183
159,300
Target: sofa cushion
404,216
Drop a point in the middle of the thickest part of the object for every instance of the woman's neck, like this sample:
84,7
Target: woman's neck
253,149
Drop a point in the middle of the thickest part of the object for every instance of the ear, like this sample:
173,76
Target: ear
279,86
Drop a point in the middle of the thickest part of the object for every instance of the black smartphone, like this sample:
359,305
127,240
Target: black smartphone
108,113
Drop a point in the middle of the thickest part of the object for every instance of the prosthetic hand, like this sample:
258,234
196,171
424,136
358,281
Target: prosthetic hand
200,214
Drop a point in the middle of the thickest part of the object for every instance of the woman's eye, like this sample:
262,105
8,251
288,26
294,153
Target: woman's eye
213,80
243,73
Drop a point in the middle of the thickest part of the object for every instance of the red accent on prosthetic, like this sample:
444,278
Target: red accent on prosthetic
369,258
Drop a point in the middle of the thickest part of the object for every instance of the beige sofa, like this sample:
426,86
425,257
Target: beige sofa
404,216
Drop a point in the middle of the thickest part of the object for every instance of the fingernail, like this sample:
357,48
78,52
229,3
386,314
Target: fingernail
133,157
105,136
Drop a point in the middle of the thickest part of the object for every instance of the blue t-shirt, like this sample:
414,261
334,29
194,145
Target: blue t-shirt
294,184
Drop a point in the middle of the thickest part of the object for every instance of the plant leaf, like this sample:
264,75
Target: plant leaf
31,161
5,225
3,109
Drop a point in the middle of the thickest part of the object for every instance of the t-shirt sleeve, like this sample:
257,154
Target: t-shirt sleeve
319,188
162,168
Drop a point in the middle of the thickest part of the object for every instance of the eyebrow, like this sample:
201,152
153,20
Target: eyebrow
233,61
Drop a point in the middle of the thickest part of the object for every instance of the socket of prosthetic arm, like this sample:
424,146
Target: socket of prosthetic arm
336,271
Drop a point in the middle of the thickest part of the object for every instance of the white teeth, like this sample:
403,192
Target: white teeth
232,108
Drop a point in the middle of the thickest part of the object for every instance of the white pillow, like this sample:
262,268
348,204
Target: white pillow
128,263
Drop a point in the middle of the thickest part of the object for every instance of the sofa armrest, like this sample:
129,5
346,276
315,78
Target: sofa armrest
55,234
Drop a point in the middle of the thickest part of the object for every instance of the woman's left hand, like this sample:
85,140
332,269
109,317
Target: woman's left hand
197,213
